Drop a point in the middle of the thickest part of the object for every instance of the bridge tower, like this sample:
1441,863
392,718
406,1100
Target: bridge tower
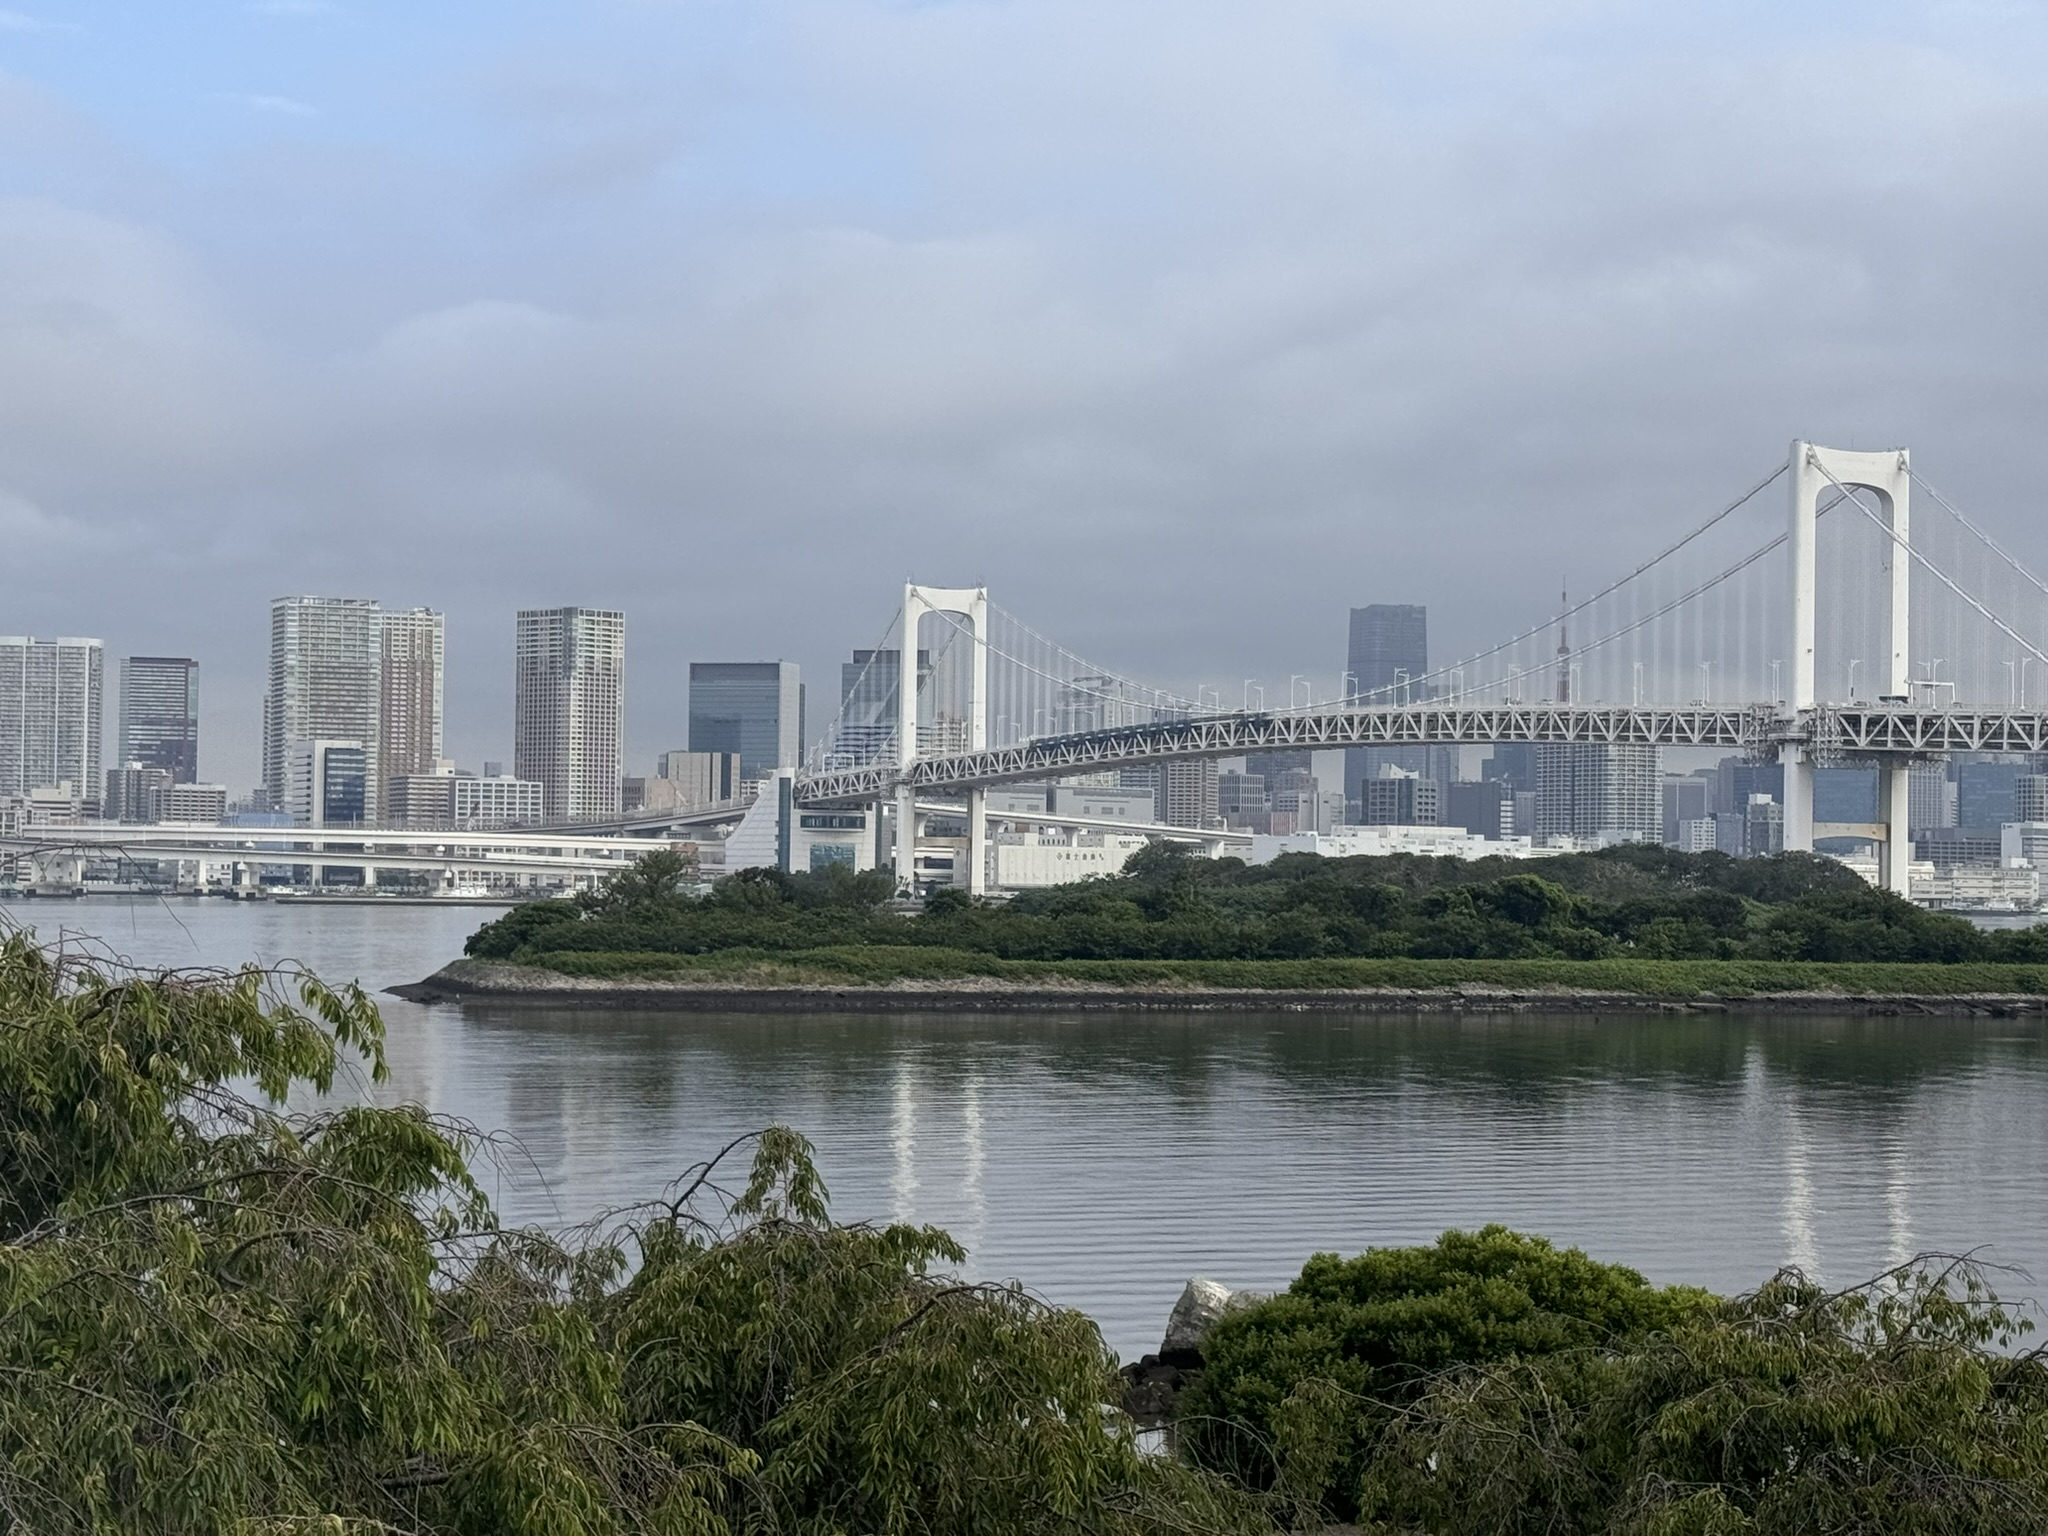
970,603
1889,475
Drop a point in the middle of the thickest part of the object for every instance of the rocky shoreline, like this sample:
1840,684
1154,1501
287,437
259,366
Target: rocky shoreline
497,982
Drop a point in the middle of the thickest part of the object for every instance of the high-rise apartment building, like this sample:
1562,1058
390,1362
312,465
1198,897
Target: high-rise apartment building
326,684
1384,665
160,715
570,708
752,708
1930,796
1591,792
409,697
50,714
1188,793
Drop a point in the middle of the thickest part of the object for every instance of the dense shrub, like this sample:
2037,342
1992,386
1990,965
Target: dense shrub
1620,904
1898,1406
1490,1385
1317,1374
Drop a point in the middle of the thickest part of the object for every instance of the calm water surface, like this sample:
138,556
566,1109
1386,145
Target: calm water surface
1104,1159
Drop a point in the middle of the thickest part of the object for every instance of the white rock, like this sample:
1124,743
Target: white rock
1200,1308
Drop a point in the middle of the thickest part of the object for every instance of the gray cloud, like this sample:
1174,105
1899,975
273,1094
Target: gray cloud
1183,326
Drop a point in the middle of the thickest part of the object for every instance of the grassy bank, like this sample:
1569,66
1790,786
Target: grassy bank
878,965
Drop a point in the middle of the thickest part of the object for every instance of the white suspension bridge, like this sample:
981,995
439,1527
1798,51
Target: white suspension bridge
1812,646
1789,630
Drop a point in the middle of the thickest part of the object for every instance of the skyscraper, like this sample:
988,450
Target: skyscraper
160,715
409,698
867,704
50,714
570,708
753,708
326,684
1590,791
1385,664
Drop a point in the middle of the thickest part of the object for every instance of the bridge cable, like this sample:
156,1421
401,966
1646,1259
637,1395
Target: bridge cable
823,747
1577,608
1932,569
1065,682
1082,661
1680,601
1995,547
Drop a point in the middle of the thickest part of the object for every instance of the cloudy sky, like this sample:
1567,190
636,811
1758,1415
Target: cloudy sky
1183,324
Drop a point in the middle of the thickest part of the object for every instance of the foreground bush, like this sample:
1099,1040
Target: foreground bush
1490,1385
217,1317
1300,1389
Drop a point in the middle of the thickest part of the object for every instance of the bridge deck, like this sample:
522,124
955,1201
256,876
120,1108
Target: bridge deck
1831,732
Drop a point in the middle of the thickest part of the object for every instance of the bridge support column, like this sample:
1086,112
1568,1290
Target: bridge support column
977,842
1895,860
1798,799
906,842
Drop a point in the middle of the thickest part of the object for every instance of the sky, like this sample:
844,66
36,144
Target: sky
1184,325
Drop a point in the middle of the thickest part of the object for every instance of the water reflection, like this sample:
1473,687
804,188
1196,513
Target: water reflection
1105,1158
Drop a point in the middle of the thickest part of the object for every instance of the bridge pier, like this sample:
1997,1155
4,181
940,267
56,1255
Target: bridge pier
906,841
1798,798
1895,859
977,842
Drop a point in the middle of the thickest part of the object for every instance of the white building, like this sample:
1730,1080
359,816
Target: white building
777,834
569,704
1378,842
1698,834
50,714
1980,887
483,805
1020,861
2024,842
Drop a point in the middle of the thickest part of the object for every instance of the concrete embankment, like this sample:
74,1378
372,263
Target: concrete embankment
494,981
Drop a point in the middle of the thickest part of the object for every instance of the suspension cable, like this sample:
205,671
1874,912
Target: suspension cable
1932,569
1158,694
1995,547
1680,601
819,748
1088,667
1580,607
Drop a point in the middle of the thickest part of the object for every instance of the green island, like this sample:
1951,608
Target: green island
221,1316
1630,921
